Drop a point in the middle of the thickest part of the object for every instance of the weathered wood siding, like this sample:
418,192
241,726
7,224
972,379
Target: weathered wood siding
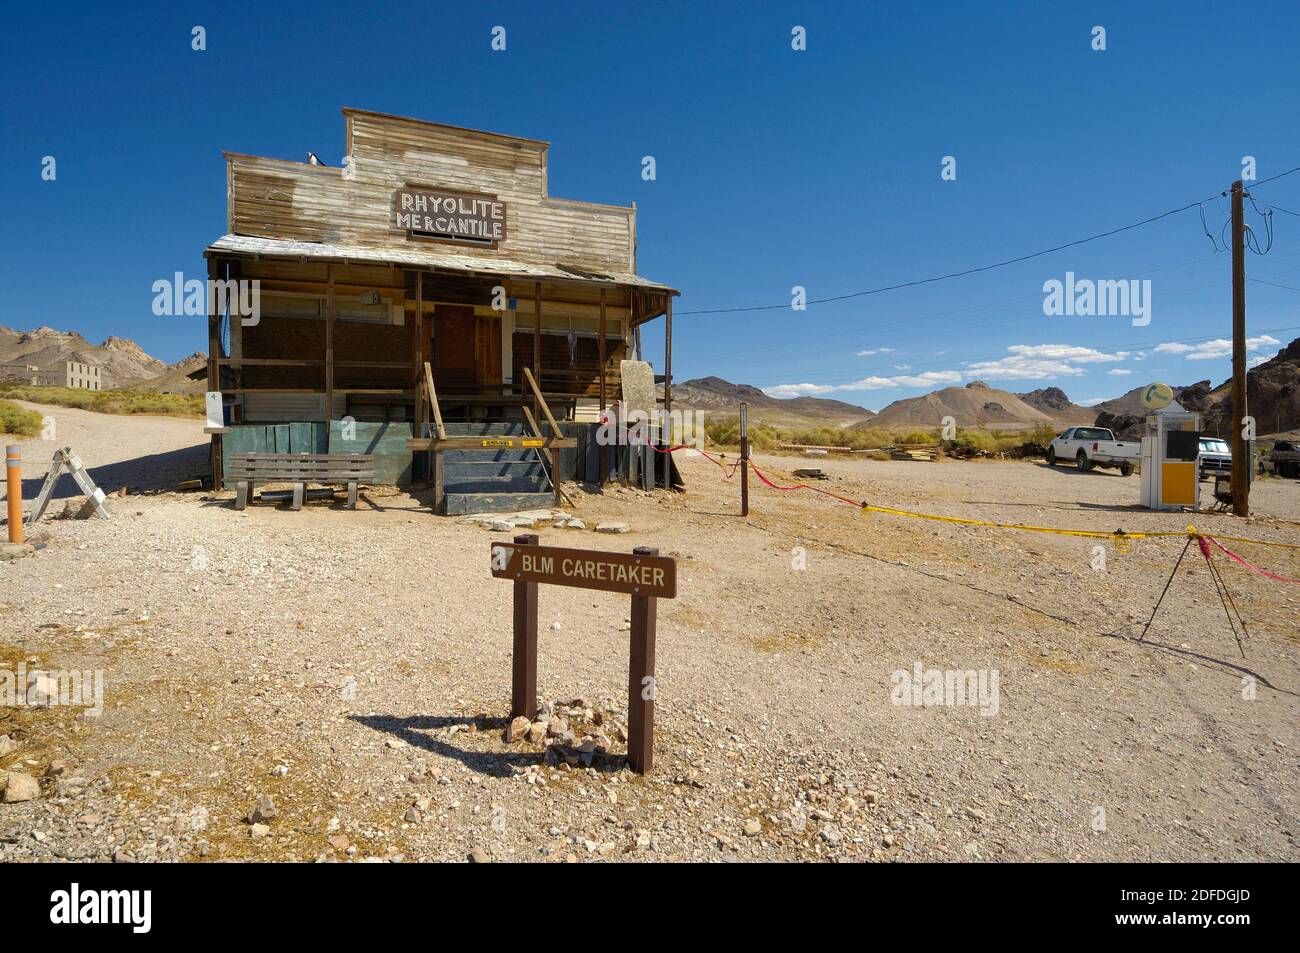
274,198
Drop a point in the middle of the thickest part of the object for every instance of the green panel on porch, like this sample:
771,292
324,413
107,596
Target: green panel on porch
302,437
387,441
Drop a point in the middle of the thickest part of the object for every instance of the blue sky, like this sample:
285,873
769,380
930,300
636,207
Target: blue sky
775,167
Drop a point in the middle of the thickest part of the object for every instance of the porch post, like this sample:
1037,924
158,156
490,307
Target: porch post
668,387
537,342
600,356
329,343
214,370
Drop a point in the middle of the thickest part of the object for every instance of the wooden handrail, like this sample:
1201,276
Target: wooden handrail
537,392
537,432
433,401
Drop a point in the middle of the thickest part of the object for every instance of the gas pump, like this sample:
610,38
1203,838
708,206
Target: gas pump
1170,449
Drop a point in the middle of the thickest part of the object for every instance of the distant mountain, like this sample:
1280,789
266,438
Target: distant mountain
1130,404
1054,402
1272,398
178,378
717,396
121,362
975,405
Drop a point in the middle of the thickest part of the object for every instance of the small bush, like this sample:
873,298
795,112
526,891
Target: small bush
110,401
18,420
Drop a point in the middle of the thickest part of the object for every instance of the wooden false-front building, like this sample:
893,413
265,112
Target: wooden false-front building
432,245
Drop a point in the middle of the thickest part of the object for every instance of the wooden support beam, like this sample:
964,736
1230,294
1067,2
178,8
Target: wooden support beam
432,392
329,342
214,373
600,349
537,338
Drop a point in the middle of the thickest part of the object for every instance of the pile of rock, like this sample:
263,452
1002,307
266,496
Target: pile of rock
573,731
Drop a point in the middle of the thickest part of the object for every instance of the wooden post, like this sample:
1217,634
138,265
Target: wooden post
214,373
523,682
14,476
668,384
1240,446
600,356
744,459
641,680
329,344
537,341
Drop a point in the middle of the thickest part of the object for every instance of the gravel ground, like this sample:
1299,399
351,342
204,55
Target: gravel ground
354,668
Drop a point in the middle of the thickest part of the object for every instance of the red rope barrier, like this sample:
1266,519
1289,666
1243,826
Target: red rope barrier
1249,565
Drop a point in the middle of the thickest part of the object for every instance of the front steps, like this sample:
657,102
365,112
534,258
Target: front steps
494,479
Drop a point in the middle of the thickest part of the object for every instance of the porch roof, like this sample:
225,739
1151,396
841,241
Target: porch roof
248,245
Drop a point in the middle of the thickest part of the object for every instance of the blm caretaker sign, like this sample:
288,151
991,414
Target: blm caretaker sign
637,575
642,573
433,213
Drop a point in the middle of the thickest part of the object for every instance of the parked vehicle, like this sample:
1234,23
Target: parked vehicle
1283,459
1092,447
1215,458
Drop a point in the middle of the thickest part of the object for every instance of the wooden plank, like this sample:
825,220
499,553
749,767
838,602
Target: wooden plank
387,441
456,442
329,341
433,401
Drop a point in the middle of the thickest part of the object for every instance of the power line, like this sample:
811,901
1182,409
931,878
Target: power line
958,274
982,268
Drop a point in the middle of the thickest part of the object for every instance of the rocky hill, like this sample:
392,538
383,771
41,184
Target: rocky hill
975,405
1054,402
1272,398
121,362
179,377
717,396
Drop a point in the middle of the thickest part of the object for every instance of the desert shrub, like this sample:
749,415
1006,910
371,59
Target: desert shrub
725,432
18,420
109,401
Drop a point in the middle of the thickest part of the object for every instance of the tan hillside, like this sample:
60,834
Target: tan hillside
718,397
176,379
121,362
1056,404
975,405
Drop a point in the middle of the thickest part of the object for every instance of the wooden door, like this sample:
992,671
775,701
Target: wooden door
455,346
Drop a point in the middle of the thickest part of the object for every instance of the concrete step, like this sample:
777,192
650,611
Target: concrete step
487,468
497,484
460,504
518,453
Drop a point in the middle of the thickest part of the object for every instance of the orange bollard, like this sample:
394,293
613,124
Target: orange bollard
14,471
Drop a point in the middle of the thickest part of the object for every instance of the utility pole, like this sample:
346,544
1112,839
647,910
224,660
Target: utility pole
1240,446
744,458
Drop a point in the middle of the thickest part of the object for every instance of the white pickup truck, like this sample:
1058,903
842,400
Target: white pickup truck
1092,447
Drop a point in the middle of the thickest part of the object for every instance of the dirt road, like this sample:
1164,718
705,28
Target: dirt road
355,668
138,451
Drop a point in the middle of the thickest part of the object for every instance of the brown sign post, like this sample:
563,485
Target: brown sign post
643,574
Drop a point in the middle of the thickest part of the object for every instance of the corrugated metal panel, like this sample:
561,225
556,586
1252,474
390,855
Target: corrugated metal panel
419,257
387,441
277,408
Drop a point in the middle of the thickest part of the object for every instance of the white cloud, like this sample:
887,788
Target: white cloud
1257,360
902,367
878,350
1119,372
1093,401
1219,347
1041,362
928,379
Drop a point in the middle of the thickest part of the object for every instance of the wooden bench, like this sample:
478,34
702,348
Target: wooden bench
249,469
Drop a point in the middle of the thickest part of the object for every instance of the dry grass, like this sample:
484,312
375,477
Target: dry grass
107,401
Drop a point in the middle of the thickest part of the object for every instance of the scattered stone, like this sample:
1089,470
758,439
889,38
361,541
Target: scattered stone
7,745
611,526
537,733
263,810
518,729
479,856
413,815
753,827
123,857
557,727
9,551
56,768
20,787
258,831
279,771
